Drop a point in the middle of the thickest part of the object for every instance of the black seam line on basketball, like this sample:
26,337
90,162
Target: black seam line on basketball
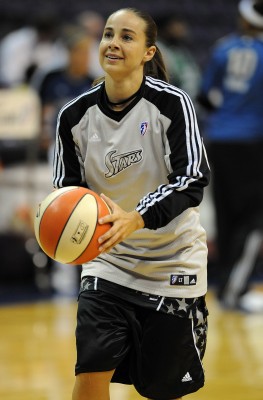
65,227
55,198
93,231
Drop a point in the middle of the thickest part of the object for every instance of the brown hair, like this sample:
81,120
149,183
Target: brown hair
155,67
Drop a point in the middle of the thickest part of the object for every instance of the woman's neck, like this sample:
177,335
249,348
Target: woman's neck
122,91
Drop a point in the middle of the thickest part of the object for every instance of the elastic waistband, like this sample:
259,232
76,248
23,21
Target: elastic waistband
181,307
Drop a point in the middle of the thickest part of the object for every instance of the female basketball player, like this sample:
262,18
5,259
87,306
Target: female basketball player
134,138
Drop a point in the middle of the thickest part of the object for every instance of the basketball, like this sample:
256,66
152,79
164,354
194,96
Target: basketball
66,224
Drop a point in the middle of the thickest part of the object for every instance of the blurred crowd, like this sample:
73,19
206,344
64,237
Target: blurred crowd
59,61
45,63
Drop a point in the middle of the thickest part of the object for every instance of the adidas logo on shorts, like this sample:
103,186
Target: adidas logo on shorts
187,378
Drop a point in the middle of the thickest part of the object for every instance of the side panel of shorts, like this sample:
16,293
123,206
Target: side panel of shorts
170,365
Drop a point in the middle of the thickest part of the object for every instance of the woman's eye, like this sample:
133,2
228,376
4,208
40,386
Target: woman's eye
107,34
127,37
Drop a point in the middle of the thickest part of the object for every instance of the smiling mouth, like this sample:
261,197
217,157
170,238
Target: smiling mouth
113,58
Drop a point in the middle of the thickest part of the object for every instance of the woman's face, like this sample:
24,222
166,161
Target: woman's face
123,50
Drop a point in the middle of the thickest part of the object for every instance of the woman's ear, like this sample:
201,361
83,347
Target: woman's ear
149,53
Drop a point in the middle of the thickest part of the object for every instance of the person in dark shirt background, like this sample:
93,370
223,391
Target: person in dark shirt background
231,91
58,86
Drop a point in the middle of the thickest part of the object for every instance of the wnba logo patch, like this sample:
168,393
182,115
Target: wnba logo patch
143,128
79,233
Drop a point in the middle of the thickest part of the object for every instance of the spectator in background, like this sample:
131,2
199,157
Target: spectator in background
174,40
35,45
93,23
58,86
232,90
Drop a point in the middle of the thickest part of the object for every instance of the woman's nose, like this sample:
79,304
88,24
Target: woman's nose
114,42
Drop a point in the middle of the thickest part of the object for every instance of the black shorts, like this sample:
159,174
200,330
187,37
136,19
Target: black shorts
158,352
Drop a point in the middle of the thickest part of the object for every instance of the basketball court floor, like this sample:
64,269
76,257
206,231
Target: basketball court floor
37,353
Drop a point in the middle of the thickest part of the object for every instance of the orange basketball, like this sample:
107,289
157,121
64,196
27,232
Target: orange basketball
66,224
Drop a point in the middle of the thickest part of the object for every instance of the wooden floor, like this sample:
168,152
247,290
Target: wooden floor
37,353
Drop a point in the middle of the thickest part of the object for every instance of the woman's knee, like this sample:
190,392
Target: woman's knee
92,385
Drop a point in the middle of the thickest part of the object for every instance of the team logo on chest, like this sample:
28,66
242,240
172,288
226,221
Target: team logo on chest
116,163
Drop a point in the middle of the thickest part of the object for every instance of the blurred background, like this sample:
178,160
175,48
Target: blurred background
48,55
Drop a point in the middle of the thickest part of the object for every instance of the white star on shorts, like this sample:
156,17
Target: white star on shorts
182,304
170,309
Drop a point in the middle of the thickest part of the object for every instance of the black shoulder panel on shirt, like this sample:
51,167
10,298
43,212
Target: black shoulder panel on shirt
76,108
166,97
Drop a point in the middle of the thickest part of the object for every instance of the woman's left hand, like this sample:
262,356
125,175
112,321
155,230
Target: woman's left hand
123,224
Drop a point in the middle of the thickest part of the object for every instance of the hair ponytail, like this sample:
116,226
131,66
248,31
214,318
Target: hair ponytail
156,67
